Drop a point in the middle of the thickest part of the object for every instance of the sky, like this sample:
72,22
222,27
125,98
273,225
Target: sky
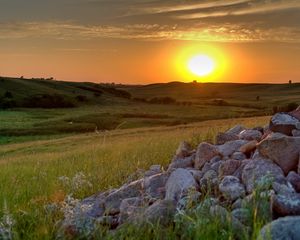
147,41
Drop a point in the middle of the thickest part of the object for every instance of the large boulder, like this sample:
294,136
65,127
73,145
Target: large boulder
129,208
231,188
235,130
248,147
256,170
187,162
287,204
179,183
282,150
286,228
284,123
228,148
205,152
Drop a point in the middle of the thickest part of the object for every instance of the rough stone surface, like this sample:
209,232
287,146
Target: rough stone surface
187,162
236,129
288,204
130,207
228,167
113,201
178,184
205,152
161,212
248,147
238,156
296,133
209,179
184,149
154,169
281,149
243,215
229,148
283,123
155,185
250,134
256,170
294,179
231,188
286,228
222,138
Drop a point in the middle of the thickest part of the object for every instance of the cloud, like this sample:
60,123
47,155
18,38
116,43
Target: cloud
226,32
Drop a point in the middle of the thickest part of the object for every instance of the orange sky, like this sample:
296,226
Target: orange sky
141,42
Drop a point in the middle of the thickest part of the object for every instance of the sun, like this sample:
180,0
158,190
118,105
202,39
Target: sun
201,65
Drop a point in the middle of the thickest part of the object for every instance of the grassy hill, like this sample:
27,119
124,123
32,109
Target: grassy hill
43,109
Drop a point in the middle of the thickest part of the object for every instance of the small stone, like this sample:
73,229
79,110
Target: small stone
238,156
236,129
231,188
288,204
179,183
248,147
294,179
283,123
130,207
205,152
296,133
155,185
184,149
153,170
225,137
229,148
228,167
187,162
250,135
243,215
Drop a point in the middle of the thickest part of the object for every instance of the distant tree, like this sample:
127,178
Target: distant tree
290,81
8,94
257,98
22,77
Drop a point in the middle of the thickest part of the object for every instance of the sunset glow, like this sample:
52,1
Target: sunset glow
201,65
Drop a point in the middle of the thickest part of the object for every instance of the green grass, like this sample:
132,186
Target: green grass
30,171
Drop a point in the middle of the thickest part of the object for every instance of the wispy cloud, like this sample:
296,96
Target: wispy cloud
151,32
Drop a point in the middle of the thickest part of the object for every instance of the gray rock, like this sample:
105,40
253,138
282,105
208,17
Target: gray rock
228,167
257,170
187,162
285,205
286,228
113,200
130,207
179,183
197,174
236,129
153,170
205,152
229,148
209,180
250,134
238,156
282,150
231,188
294,179
243,215
154,186
222,138
296,133
283,123
248,147
184,150
282,188
161,212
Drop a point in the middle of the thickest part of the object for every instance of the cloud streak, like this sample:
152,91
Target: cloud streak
149,32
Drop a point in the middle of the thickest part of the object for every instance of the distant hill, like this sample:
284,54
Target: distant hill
16,92
235,93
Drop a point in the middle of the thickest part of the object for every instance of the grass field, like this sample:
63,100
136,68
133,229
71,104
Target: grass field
30,171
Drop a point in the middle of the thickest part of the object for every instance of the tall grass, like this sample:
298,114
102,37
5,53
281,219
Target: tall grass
31,173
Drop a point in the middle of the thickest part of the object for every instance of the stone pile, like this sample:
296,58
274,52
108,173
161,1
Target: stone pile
229,172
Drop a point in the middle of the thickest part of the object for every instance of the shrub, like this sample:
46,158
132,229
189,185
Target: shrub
8,94
285,108
162,100
81,98
47,101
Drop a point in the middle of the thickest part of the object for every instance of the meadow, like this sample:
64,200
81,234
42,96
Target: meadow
31,172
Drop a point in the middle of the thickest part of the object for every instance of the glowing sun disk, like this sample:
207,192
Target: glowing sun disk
201,65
